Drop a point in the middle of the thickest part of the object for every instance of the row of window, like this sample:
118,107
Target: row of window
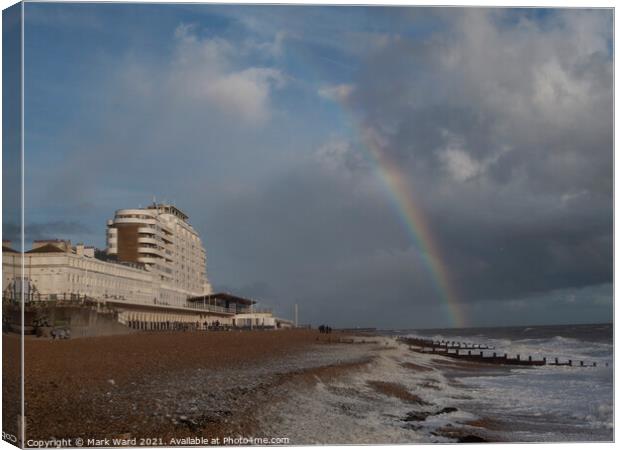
133,216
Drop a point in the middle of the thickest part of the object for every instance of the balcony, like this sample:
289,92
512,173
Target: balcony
134,220
166,228
149,260
148,240
151,251
149,230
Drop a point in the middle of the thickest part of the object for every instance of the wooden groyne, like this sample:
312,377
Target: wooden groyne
355,330
337,340
471,352
451,344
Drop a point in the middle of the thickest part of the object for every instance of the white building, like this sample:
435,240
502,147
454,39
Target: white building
53,271
161,238
154,272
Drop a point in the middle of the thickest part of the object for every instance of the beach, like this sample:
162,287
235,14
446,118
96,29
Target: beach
286,387
163,384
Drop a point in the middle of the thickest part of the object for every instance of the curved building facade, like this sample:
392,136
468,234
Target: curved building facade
161,238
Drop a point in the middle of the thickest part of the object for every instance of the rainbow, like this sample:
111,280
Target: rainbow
401,194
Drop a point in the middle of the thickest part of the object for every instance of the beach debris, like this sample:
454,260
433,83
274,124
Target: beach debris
459,434
416,416
60,333
471,438
430,384
419,416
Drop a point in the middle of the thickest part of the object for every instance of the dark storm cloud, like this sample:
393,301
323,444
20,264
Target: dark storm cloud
44,230
327,242
507,130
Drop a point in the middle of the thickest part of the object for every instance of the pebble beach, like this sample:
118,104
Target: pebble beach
163,385
293,387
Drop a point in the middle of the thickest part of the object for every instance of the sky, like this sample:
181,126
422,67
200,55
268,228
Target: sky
390,167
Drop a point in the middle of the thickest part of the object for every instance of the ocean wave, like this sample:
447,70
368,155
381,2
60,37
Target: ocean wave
405,397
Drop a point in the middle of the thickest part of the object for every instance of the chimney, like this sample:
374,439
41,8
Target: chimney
79,249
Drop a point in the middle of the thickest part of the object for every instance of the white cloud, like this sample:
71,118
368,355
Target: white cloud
339,155
244,93
338,92
460,164
208,74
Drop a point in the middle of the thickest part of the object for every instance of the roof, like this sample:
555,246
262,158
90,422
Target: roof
50,240
170,209
6,249
223,296
48,248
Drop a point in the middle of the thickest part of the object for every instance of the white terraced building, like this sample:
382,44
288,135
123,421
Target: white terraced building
153,271
161,238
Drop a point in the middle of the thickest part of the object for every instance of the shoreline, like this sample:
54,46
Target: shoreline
159,383
298,384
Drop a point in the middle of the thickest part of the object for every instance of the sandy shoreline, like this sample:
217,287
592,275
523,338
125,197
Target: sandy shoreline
180,385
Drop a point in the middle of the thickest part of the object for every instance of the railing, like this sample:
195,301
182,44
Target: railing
253,311
35,300
37,297
75,299
211,308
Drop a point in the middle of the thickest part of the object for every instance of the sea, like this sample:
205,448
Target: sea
547,403
492,402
